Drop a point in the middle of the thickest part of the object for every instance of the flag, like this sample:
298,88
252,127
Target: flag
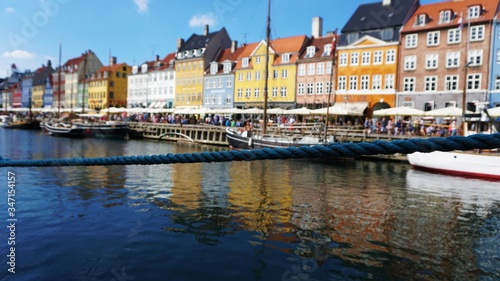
460,22
334,44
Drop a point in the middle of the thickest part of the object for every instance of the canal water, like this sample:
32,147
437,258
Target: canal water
265,220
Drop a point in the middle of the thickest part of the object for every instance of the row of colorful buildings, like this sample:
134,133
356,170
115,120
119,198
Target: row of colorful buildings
390,53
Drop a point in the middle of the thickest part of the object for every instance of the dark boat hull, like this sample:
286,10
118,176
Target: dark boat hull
24,125
238,141
120,131
64,130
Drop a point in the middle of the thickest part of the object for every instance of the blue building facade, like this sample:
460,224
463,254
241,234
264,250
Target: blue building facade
494,79
218,91
26,84
47,94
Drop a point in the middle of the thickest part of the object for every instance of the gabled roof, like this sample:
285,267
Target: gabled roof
167,61
458,10
113,68
42,73
374,16
197,41
319,44
76,61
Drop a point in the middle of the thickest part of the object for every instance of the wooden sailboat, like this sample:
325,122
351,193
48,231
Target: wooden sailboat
239,138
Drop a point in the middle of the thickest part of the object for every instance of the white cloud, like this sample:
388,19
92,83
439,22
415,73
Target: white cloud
202,19
142,5
18,54
10,10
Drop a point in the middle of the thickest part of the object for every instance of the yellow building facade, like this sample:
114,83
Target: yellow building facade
367,72
189,82
250,77
37,95
108,86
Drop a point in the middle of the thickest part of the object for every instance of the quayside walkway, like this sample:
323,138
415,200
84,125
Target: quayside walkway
216,135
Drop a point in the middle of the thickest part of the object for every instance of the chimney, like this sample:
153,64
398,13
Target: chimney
205,32
157,58
386,3
317,27
180,42
112,61
234,45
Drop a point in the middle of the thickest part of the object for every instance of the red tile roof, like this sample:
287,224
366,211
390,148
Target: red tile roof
458,10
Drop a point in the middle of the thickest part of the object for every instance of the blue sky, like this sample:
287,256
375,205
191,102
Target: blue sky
136,30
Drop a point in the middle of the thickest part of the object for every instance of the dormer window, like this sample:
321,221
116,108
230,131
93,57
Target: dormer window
285,58
421,19
327,51
213,68
180,55
311,50
189,53
144,68
227,67
445,16
245,62
474,11
197,52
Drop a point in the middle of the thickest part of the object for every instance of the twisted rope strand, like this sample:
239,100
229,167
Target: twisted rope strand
350,150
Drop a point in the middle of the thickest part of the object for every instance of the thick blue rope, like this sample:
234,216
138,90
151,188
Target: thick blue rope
351,150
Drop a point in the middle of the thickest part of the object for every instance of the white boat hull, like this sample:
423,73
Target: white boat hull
482,165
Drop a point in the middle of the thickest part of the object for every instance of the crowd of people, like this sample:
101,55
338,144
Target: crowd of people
414,127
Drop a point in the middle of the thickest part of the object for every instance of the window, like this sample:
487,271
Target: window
430,83
390,56
421,19
329,67
283,92
365,81
328,88
353,82
389,81
302,69
310,69
473,12
431,61
229,83
248,92
284,73
257,75
452,59
377,57
343,59
444,16
209,83
410,63
285,58
240,93
433,38
497,82
275,92
376,82
454,36
301,89
310,51
342,82
245,62
477,33
310,88
213,68
240,76
475,57
451,83
257,60
498,56
249,76
474,81
409,84
354,58
256,93
320,68
365,58
227,67
276,74
219,83
411,41
319,88
327,50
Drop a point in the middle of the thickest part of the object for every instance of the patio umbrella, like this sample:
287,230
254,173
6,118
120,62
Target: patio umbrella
253,110
402,110
276,110
332,110
450,111
299,111
233,110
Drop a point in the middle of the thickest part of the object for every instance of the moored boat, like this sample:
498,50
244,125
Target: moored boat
483,164
239,138
63,129
107,129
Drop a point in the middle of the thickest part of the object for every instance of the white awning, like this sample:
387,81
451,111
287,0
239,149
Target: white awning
161,105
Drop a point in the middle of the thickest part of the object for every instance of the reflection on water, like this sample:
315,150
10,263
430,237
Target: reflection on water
265,220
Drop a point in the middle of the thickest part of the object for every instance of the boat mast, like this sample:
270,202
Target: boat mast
266,72
59,84
466,69
84,80
334,47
